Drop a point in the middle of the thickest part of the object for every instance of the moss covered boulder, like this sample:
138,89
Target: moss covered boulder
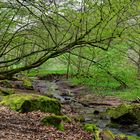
23,81
106,135
90,127
125,114
136,112
6,91
27,83
55,121
29,102
133,138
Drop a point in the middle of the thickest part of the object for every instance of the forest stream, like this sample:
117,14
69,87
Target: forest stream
80,104
87,107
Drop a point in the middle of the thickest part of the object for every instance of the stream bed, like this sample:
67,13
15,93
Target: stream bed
88,110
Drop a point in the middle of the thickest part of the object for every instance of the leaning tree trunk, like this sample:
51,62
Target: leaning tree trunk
138,69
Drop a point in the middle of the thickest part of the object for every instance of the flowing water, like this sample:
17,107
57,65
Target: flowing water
91,113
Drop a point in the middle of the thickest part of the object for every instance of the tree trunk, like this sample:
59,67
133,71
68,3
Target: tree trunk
138,66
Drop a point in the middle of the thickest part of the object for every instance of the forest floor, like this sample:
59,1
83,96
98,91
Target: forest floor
27,126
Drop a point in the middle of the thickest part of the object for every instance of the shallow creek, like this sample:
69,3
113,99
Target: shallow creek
93,111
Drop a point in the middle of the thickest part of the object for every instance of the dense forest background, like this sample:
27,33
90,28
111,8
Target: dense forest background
95,40
70,69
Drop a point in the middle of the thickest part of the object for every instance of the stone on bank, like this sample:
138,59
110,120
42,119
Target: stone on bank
30,102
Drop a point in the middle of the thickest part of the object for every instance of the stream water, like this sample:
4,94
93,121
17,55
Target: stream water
95,114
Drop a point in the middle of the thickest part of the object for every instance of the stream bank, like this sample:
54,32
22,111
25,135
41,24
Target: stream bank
79,103
84,106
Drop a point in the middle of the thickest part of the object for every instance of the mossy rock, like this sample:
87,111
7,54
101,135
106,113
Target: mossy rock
106,135
125,114
27,83
127,137
90,127
29,102
136,112
133,138
6,91
122,109
55,121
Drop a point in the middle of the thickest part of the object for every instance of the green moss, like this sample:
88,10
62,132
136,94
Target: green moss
136,112
90,127
96,135
107,135
1,98
119,111
61,127
5,92
133,138
125,113
5,83
129,137
55,121
93,129
27,83
29,102
79,118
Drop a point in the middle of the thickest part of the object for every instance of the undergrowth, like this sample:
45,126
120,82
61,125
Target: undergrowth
110,88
